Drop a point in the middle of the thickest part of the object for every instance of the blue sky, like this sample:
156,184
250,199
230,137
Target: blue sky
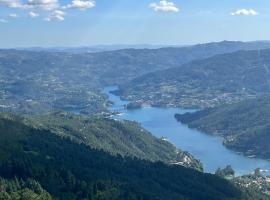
87,22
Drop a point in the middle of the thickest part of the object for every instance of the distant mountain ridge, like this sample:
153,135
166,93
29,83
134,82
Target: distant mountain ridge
101,48
96,48
36,82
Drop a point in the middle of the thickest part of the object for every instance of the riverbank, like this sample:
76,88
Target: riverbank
208,149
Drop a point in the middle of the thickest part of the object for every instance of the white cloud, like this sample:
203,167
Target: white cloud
3,21
56,15
164,6
81,4
43,4
13,15
11,3
244,12
52,7
33,14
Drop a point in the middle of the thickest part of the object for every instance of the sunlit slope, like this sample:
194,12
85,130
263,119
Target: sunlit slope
69,170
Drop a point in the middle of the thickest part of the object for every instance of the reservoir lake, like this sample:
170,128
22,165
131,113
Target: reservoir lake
208,149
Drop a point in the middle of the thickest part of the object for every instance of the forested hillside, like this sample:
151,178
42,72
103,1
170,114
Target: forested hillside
35,82
47,154
204,83
123,138
245,125
68,170
18,189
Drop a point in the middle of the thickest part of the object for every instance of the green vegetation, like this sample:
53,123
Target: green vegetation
226,78
36,82
254,182
115,137
65,156
68,170
16,189
227,172
245,125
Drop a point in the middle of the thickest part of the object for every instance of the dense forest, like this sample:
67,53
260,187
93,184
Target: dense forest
125,138
225,78
18,189
245,125
69,170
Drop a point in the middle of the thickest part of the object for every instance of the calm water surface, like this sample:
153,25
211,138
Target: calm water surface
208,149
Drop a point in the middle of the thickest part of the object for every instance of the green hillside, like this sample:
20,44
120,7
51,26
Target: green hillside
36,82
204,83
18,189
68,170
245,125
116,137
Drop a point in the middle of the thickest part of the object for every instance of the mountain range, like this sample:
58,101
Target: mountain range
59,142
224,78
34,82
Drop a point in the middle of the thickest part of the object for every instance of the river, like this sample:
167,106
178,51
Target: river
208,149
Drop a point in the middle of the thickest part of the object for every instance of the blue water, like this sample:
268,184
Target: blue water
208,149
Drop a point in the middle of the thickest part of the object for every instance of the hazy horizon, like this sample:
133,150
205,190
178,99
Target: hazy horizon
139,45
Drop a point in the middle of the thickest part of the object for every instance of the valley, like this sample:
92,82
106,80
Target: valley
34,82
208,149
66,137
134,100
